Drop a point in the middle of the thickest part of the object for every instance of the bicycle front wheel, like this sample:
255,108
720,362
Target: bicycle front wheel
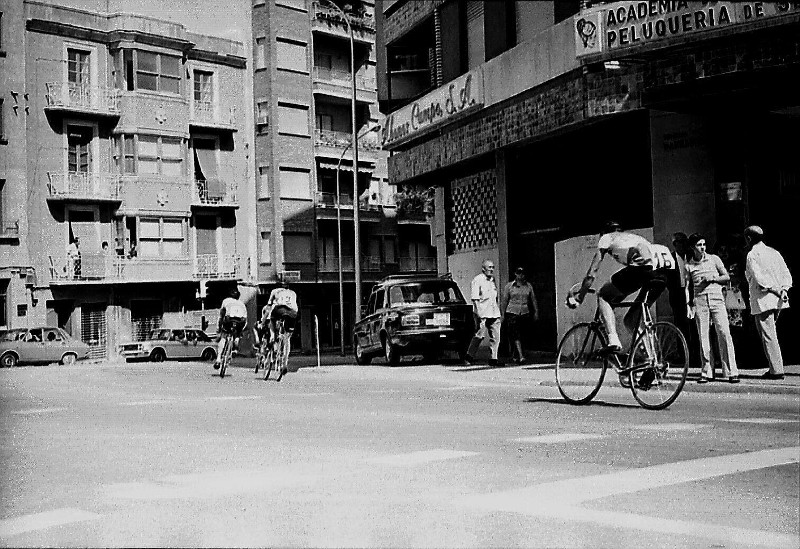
225,358
580,366
660,365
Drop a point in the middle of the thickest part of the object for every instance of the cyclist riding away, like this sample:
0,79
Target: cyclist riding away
645,267
282,303
232,321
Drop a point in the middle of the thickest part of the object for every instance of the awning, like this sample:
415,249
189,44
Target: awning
207,158
345,167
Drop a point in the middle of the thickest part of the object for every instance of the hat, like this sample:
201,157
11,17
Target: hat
679,237
520,270
754,229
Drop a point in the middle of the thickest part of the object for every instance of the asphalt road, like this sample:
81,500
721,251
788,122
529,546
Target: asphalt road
163,455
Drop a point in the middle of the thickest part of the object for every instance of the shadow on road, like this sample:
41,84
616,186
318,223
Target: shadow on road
592,403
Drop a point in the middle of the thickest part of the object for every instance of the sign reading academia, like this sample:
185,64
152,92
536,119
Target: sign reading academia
444,104
619,25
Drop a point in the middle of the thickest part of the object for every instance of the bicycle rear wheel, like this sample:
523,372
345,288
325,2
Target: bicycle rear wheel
580,367
226,357
660,365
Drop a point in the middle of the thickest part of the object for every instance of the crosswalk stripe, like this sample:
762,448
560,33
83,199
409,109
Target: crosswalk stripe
33,411
241,397
761,420
40,521
558,438
672,426
416,458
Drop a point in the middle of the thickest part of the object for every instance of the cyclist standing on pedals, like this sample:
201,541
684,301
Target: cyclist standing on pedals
645,266
282,303
232,321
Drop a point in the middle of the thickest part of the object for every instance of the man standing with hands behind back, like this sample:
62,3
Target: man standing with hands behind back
769,280
486,311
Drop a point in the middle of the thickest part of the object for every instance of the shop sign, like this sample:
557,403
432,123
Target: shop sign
619,25
444,104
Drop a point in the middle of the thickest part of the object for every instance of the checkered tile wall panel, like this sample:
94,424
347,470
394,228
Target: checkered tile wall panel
473,212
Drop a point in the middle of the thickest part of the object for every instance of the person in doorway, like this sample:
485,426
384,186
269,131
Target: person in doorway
708,275
678,290
133,252
769,281
486,312
518,305
74,258
232,321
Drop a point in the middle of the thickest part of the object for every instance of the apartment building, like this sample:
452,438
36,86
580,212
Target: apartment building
124,161
535,121
302,90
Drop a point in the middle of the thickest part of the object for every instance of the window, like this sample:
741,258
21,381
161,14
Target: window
292,119
263,181
79,140
297,248
159,155
203,88
291,56
295,183
266,252
262,116
261,53
2,121
158,72
4,301
77,69
128,154
161,237
324,121
475,34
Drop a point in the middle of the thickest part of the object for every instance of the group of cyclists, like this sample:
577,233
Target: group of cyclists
281,305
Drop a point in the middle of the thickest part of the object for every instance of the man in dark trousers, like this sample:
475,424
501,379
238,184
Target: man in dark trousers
678,296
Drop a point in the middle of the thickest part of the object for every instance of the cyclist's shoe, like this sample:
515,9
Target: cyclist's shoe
216,364
646,379
611,349
625,381
282,373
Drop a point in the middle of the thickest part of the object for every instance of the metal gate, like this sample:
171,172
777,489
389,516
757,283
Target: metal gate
94,328
145,317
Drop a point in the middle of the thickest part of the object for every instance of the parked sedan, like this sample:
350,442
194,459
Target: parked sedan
164,343
413,314
39,345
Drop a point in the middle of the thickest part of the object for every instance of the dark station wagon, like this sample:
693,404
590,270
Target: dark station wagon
413,315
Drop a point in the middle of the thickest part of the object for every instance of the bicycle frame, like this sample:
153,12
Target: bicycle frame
645,325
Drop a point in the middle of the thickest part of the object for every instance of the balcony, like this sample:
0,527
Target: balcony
210,116
9,231
332,144
83,187
96,267
369,263
73,98
216,194
217,266
328,200
328,20
326,208
157,193
338,83
418,264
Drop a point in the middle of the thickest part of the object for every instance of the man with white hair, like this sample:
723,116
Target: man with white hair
769,280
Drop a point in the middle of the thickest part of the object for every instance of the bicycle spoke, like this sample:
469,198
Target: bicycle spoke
661,362
580,367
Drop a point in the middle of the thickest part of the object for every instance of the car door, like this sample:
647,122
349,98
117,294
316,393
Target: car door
376,322
361,331
36,349
178,347
192,350
53,343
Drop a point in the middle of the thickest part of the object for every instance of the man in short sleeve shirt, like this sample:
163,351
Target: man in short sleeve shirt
486,310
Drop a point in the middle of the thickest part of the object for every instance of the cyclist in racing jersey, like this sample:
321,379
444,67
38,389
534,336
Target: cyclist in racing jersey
232,321
282,303
645,266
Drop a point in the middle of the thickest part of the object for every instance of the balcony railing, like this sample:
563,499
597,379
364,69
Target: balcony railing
417,264
329,15
215,193
84,186
216,266
9,229
328,200
343,78
82,97
369,263
209,113
341,140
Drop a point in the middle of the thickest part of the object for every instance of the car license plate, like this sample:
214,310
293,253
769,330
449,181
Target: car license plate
440,319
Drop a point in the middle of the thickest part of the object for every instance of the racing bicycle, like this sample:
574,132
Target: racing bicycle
277,357
227,354
654,368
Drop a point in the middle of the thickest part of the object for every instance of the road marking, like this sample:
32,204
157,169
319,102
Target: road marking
40,521
761,420
417,458
242,397
146,402
673,426
561,499
32,411
558,438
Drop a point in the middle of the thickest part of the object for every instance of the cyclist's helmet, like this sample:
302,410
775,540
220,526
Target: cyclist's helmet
234,293
611,226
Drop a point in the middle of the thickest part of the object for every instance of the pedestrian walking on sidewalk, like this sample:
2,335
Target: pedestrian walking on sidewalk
486,310
518,304
708,274
769,280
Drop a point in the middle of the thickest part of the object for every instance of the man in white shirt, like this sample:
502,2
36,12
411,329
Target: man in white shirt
769,280
486,310
232,320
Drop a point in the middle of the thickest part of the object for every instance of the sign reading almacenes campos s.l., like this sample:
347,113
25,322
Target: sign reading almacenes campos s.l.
622,24
441,105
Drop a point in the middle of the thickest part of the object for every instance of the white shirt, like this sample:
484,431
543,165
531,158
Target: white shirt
283,296
484,296
765,269
234,308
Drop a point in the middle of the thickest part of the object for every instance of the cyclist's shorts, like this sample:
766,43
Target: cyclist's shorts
233,325
632,278
288,315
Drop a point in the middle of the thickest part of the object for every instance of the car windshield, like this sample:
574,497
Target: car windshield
12,335
437,292
162,335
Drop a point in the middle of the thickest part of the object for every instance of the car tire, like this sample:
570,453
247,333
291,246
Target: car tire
9,360
69,359
390,352
208,355
158,355
362,358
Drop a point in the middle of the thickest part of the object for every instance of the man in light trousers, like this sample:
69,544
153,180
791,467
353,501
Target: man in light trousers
486,309
769,280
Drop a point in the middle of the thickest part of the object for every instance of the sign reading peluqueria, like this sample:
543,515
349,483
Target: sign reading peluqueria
619,25
442,105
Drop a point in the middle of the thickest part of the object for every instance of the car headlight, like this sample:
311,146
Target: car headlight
410,320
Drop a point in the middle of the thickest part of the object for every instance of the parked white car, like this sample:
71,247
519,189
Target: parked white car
166,343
